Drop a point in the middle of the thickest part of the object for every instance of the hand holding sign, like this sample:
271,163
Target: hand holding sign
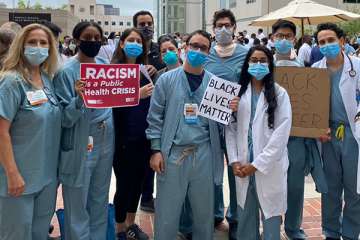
80,87
146,91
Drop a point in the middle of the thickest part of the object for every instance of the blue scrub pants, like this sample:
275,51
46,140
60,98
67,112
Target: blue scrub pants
86,207
295,188
28,217
191,176
249,221
340,167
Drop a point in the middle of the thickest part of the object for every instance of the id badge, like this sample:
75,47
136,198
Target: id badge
191,113
37,97
90,145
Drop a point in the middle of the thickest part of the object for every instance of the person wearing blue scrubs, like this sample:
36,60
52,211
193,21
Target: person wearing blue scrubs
169,54
256,142
132,149
30,128
340,149
225,60
186,147
303,153
87,144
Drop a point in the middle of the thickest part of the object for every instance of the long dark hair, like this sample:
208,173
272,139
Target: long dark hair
269,83
119,54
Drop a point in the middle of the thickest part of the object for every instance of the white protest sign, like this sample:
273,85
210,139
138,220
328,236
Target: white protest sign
216,100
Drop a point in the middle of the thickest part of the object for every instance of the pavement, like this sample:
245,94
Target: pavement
311,215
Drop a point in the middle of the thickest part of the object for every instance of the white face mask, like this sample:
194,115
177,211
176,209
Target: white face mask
72,46
224,36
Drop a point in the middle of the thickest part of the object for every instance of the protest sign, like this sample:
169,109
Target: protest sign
309,91
110,85
215,103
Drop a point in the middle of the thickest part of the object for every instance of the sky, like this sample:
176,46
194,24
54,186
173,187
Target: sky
127,7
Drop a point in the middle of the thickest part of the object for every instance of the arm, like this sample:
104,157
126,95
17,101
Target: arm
155,119
231,141
16,184
71,102
156,114
277,143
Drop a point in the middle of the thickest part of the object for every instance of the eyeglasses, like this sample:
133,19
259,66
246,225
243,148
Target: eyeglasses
255,60
196,46
288,36
226,25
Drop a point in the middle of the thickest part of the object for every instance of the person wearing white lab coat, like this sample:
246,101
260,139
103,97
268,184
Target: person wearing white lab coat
340,149
257,147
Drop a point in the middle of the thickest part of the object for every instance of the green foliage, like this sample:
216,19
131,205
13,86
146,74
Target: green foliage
21,4
37,6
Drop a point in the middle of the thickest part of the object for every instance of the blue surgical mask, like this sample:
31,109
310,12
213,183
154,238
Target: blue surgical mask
170,58
36,55
283,46
258,70
196,58
330,50
358,40
223,36
133,49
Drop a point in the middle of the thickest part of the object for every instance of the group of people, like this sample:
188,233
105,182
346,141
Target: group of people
48,137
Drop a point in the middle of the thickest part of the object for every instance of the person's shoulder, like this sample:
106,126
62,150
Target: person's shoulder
241,48
101,60
280,91
10,80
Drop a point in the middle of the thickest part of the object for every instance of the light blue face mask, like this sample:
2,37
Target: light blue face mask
258,70
196,58
170,58
223,36
133,49
283,46
358,40
330,50
36,55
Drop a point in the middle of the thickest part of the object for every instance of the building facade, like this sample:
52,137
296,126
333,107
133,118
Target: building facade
64,19
182,16
248,10
107,16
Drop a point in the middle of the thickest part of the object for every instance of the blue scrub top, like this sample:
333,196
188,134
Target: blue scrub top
227,68
254,100
289,63
35,132
190,134
337,107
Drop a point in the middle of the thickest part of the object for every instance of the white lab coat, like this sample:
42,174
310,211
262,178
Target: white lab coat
269,149
348,86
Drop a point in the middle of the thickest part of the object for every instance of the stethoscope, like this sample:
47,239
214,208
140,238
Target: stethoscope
352,74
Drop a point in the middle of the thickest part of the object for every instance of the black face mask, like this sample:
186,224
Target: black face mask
90,48
147,31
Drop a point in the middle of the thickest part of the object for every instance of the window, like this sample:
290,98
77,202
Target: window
106,33
72,8
128,24
351,1
106,23
81,9
232,3
92,20
113,23
92,10
250,1
121,23
99,22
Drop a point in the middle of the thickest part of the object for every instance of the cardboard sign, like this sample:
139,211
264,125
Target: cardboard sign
216,100
111,85
309,91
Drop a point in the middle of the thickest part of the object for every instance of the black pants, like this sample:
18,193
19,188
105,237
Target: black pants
130,163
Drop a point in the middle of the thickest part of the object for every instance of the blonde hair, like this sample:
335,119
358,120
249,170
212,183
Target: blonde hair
15,60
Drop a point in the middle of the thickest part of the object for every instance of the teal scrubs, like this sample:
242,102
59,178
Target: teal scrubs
191,153
35,137
303,154
85,175
340,166
227,68
248,218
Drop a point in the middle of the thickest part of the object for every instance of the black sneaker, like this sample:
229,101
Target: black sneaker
134,232
148,206
121,236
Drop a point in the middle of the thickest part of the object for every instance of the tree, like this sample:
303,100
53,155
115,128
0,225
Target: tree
21,4
37,6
